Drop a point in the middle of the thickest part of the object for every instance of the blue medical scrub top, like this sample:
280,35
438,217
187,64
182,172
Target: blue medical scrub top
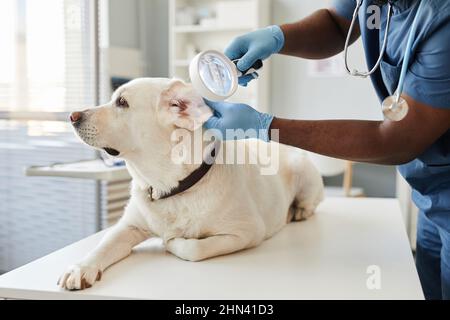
427,81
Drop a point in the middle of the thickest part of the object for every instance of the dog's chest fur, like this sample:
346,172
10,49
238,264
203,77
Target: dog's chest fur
172,218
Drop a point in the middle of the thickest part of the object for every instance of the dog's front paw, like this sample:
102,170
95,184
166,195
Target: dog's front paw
79,277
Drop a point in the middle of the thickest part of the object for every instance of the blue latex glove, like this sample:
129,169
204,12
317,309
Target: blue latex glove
254,46
229,117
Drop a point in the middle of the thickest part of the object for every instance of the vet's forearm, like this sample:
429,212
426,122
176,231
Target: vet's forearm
318,36
115,246
361,141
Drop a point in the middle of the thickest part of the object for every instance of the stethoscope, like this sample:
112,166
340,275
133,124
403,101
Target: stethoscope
394,107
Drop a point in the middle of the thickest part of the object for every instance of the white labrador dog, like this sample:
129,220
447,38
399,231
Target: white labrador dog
229,208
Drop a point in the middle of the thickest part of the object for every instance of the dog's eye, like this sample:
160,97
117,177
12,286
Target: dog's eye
122,103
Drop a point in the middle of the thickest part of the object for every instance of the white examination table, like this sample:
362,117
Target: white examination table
326,257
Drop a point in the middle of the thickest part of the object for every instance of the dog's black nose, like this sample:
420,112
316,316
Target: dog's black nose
76,117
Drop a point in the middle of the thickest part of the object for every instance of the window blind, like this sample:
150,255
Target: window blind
48,56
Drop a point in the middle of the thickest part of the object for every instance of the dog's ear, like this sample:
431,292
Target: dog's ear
183,107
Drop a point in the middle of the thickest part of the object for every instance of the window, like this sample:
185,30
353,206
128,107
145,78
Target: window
48,56
48,68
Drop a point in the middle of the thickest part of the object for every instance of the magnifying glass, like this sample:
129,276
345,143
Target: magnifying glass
215,76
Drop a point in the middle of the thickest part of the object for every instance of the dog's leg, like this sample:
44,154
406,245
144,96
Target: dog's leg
310,192
115,246
198,250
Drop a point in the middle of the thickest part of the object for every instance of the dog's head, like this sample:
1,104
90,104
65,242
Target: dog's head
142,114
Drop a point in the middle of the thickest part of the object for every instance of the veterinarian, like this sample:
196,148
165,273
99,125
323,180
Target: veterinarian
419,143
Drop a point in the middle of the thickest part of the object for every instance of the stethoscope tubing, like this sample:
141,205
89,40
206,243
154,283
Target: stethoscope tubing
355,72
394,108
408,51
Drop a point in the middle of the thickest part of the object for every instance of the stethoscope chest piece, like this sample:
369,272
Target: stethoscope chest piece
394,108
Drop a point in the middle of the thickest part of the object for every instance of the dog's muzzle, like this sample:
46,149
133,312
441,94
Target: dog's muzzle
88,134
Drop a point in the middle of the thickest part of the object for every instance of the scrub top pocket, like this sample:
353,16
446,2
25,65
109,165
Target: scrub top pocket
391,76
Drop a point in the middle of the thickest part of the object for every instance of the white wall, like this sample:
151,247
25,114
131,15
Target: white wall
297,95
138,33
124,23
157,51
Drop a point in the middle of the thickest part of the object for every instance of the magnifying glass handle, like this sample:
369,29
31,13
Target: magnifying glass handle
255,67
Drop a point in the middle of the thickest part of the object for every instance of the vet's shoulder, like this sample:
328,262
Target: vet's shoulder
440,5
436,15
